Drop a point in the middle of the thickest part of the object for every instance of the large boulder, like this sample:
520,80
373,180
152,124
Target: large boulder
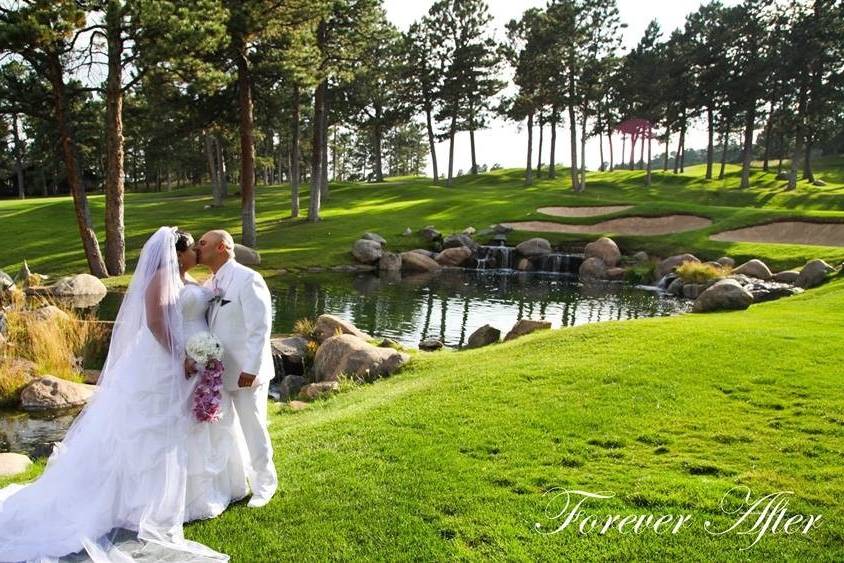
484,336
376,237
48,313
390,262
813,273
6,281
346,354
81,284
13,464
788,276
49,392
456,256
431,345
314,391
726,262
604,248
246,256
289,355
669,264
526,326
755,269
290,386
327,326
726,294
367,251
534,247
592,269
416,262
430,234
425,252
456,241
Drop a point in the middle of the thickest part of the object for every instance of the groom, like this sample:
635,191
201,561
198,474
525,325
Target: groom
240,317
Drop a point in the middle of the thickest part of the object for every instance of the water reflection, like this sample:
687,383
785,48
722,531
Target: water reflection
451,304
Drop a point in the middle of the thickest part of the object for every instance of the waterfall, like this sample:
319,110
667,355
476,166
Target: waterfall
498,257
559,263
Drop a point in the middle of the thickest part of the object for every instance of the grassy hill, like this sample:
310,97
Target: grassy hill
450,458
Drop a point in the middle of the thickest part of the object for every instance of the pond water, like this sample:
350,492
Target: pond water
448,305
451,304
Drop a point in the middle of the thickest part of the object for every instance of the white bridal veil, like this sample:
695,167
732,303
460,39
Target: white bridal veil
114,488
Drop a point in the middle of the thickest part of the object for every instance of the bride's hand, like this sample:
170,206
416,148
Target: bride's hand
190,367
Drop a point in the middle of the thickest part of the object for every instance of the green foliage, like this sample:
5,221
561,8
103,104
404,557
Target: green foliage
640,273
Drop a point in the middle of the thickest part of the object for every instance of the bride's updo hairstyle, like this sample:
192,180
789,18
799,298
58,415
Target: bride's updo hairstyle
184,240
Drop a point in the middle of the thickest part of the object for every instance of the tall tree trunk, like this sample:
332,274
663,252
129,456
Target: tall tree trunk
633,139
623,148
710,147
528,170
377,144
431,144
247,146
539,152
725,139
582,175
665,154
213,169
316,151
575,184
552,158
18,157
295,153
795,157
648,168
808,175
451,131
115,245
781,149
678,158
768,128
323,151
74,180
222,172
472,142
749,121
609,144
601,150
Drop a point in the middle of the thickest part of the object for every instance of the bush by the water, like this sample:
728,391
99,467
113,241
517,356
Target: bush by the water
701,272
45,340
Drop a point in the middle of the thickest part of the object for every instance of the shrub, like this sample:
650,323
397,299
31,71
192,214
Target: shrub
697,272
305,328
641,273
13,378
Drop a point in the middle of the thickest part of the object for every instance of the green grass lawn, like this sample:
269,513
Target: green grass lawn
43,231
450,458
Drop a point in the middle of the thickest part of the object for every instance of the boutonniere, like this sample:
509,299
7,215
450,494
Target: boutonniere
218,298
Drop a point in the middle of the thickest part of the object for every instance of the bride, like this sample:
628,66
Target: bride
135,464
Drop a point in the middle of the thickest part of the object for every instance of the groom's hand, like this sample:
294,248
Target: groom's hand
245,379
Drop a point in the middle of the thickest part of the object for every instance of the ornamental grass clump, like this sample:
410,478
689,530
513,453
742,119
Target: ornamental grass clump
698,272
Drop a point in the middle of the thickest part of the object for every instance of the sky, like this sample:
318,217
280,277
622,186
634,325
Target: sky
505,143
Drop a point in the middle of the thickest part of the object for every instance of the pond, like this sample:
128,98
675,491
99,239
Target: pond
448,305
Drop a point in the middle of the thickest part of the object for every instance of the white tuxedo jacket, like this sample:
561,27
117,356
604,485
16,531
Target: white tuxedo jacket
243,324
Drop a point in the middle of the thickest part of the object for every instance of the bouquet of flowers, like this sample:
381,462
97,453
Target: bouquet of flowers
207,352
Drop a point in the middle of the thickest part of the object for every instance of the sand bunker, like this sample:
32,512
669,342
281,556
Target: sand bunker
788,232
593,211
645,226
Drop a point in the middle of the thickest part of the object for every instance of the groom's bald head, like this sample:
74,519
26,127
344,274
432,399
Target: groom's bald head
215,248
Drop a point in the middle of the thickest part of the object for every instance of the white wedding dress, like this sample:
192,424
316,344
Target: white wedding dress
116,488
216,451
